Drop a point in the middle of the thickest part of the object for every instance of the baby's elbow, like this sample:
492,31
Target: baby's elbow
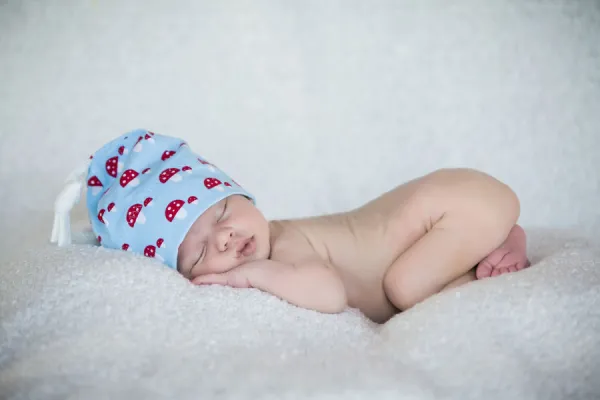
324,289
336,300
334,305
339,302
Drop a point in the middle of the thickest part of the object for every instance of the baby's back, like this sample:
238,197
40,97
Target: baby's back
360,245
363,243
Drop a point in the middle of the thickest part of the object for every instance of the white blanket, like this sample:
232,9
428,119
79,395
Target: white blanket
90,323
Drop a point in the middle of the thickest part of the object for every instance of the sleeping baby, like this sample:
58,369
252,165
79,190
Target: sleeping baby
152,195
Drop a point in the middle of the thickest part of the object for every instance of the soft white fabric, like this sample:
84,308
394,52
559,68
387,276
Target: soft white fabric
91,323
331,103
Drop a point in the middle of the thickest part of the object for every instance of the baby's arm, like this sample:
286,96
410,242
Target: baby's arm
310,284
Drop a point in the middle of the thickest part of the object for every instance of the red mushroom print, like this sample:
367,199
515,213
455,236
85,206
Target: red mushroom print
138,145
160,243
148,202
146,170
213,183
187,169
125,247
91,157
193,200
207,164
149,138
113,166
169,174
129,177
111,207
95,184
150,251
227,184
123,150
135,215
101,217
167,154
175,210
99,239
182,144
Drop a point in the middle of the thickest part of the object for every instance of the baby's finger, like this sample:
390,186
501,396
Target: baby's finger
210,279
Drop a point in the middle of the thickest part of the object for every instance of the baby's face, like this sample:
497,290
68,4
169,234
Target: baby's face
228,234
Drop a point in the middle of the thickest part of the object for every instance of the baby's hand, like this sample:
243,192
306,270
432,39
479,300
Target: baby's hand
235,277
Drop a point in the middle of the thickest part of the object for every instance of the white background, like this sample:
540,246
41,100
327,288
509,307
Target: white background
313,106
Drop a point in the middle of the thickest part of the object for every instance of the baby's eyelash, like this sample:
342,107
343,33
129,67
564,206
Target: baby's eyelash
198,259
224,209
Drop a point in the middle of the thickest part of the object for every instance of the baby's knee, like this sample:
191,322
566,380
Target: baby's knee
400,290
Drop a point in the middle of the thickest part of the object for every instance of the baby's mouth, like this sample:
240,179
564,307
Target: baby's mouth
247,247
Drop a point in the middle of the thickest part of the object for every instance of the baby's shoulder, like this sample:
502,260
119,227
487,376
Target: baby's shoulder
289,242
286,234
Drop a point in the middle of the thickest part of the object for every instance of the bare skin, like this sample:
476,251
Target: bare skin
435,232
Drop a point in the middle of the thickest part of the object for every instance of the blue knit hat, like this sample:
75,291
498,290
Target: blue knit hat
145,191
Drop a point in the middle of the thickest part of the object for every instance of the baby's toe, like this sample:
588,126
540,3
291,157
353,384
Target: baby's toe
504,270
523,264
483,270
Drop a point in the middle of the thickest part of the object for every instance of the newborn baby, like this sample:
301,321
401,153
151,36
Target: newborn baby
150,194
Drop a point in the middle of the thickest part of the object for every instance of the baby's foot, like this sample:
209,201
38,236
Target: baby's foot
509,257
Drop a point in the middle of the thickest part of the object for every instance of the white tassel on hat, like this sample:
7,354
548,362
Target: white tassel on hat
66,200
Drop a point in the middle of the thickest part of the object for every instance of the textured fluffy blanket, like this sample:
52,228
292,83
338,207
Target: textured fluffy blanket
86,322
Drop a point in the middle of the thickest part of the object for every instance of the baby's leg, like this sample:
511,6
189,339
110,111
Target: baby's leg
444,254
466,278
478,214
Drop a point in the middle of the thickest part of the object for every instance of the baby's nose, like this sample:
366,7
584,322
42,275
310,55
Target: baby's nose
224,239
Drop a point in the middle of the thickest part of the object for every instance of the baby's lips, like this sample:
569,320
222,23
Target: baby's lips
249,247
239,246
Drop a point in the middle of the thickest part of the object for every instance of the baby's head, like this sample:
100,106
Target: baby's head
150,194
228,234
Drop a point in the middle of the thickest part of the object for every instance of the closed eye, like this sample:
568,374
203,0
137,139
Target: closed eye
199,260
223,211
